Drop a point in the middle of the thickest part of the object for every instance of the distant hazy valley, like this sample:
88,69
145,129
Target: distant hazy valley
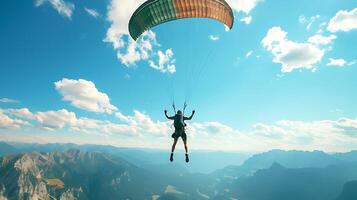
68,171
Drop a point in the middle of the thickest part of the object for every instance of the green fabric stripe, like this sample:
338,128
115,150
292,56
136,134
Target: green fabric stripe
172,9
157,14
152,15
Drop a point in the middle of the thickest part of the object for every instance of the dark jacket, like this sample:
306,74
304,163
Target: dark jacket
179,120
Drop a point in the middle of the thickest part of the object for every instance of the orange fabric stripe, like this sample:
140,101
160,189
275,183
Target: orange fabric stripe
203,8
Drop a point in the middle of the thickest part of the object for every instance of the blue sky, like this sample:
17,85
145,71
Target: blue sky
283,77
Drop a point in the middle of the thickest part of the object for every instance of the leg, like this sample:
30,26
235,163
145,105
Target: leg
185,144
174,145
184,139
173,149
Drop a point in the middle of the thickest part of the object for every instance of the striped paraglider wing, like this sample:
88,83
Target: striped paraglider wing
155,12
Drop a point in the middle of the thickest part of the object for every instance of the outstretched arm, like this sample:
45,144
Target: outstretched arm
167,115
190,117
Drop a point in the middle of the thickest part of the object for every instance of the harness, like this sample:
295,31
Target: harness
183,114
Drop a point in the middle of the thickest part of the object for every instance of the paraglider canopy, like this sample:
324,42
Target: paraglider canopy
155,12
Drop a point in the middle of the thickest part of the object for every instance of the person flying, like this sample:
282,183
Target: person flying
179,124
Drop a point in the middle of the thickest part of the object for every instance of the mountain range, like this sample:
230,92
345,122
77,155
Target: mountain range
201,161
66,171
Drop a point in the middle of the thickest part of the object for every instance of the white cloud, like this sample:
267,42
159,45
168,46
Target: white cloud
8,123
246,20
347,123
62,119
352,63
321,40
322,129
166,62
321,27
291,55
327,135
145,123
87,125
23,113
141,122
343,21
119,13
92,12
308,21
122,117
336,62
63,8
136,125
302,19
269,131
248,54
138,50
83,94
243,5
131,56
52,120
7,100
210,128
123,129
213,37
324,135
322,24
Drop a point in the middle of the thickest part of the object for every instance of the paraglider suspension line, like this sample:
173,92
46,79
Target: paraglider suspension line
173,106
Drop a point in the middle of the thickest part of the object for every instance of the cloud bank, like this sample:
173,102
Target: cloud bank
327,135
